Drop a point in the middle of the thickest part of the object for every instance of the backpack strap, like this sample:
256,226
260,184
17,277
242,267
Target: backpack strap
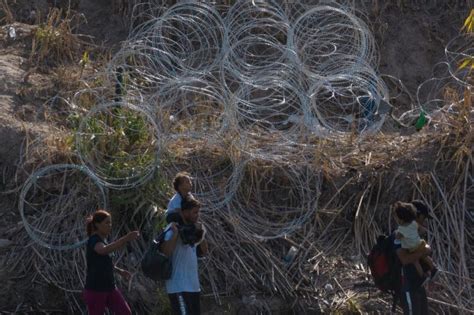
161,236
156,241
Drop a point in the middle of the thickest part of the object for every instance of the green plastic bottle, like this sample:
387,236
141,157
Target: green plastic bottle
421,121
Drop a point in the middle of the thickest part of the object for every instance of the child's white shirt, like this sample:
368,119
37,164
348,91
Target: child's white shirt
411,238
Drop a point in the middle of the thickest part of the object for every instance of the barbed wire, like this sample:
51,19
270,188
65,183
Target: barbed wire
237,96
55,201
261,77
120,143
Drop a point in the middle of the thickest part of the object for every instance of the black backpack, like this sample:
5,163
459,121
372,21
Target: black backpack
155,264
385,266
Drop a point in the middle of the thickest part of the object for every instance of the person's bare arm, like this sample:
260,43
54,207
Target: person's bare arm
422,230
202,242
204,247
169,246
407,258
102,249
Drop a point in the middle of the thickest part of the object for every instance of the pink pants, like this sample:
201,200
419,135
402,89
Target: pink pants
98,301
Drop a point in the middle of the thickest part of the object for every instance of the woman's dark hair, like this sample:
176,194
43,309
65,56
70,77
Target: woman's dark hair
405,211
97,217
178,179
189,203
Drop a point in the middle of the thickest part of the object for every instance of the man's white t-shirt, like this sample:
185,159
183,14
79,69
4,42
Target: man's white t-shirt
184,276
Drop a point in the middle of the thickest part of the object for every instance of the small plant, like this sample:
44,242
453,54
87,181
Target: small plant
468,27
469,23
118,142
85,60
467,62
353,306
54,40
350,307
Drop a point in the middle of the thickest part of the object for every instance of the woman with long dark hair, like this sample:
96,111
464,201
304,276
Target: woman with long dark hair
100,291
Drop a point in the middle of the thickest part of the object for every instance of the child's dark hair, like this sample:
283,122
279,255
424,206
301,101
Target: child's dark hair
405,211
97,217
189,203
178,179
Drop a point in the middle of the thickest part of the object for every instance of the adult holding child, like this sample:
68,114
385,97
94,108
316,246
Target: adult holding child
414,300
180,244
100,292
408,233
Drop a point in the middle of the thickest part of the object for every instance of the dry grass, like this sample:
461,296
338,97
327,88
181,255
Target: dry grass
362,179
6,15
351,212
54,40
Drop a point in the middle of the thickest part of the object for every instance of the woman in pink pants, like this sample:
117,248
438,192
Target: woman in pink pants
100,291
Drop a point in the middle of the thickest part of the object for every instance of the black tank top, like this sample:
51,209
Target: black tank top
100,268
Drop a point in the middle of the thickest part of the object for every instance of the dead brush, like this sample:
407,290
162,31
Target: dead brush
6,15
67,78
65,4
54,41
139,11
